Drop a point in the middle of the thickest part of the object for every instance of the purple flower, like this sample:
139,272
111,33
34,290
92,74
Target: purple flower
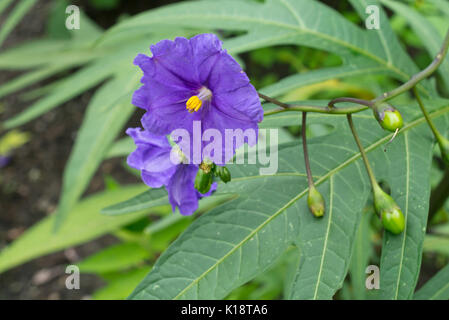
4,160
160,166
189,80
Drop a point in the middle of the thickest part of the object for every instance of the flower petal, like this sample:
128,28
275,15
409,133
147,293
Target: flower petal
181,190
151,157
206,50
226,75
177,58
242,104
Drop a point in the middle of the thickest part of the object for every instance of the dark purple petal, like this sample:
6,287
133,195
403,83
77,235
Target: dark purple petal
155,72
226,75
176,71
206,50
181,190
218,120
4,160
145,137
177,58
151,157
242,104
163,121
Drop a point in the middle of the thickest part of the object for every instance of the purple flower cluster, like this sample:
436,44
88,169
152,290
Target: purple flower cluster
187,81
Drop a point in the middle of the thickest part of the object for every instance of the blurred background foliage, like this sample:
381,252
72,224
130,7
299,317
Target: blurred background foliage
60,65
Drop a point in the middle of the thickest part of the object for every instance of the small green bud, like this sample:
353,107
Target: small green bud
203,181
389,212
444,149
207,166
388,117
316,202
223,173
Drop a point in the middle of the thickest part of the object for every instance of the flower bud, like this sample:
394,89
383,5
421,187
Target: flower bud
389,212
316,202
223,173
444,149
203,181
207,166
388,117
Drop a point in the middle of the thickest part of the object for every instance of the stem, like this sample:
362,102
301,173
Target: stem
273,100
431,68
316,109
435,131
371,176
352,100
306,153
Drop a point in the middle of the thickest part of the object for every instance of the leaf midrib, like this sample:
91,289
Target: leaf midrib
297,28
320,272
407,184
300,195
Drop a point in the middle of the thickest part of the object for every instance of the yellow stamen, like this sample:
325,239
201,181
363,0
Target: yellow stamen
193,104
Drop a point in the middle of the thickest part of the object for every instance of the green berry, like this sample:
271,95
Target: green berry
388,117
444,149
223,173
393,220
315,202
389,212
203,181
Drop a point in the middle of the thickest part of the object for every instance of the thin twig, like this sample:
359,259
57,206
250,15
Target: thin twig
306,153
370,172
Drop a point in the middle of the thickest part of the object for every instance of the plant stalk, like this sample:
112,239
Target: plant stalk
370,172
435,131
305,151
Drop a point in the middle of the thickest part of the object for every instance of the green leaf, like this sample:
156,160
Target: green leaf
32,77
410,184
315,76
147,199
360,257
442,5
68,89
4,4
84,223
429,36
238,240
436,288
394,51
107,113
439,244
20,9
274,22
43,52
114,258
120,148
120,285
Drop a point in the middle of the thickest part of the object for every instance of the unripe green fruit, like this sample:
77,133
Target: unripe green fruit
391,215
223,173
388,117
444,149
203,181
393,220
315,202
